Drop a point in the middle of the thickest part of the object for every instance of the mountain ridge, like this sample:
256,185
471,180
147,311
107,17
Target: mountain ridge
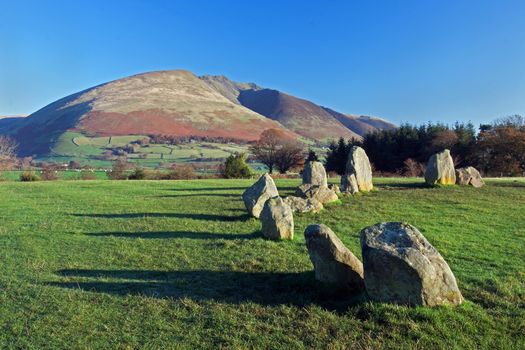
175,103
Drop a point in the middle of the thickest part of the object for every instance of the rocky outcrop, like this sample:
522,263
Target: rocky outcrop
469,176
277,219
256,195
402,267
440,169
333,261
358,174
303,205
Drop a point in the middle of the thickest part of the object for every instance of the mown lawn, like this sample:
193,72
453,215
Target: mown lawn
178,264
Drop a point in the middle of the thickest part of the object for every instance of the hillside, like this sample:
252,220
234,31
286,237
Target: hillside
170,103
178,103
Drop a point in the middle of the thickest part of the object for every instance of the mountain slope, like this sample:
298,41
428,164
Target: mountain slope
302,116
360,124
169,103
179,103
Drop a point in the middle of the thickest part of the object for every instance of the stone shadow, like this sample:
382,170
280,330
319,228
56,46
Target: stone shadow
265,288
208,217
177,234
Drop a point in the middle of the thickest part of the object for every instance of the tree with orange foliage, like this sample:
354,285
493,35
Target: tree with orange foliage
501,150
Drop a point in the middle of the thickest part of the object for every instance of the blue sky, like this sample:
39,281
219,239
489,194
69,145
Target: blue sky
407,61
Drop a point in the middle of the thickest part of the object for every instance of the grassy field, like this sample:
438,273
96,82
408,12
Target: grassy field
178,264
88,150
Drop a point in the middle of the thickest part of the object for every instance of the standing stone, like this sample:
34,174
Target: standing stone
277,219
440,169
402,267
315,174
333,261
303,205
256,195
469,176
358,175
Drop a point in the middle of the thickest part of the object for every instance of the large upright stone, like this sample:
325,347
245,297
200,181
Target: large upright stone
402,267
333,261
440,169
469,176
358,175
277,219
255,196
314,174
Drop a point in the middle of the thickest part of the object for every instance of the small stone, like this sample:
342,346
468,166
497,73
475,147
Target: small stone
333,261
334,188
255,196
277,219
303,205
469,176
320,193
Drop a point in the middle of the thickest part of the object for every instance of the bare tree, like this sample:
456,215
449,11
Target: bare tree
8,148
290,155
276,149
266,148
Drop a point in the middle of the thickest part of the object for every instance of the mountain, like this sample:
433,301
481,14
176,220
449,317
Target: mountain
169,103
301,116
8,122
179,103
362,124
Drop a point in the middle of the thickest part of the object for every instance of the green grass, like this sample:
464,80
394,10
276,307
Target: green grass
88,150
14,175
178,264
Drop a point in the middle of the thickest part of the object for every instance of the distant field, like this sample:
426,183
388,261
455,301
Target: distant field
75,146
88,151
179,265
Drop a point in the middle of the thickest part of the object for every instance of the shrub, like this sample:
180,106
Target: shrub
87,175
118,171
29,176
180,172
138,174
49,173
412,168
235,167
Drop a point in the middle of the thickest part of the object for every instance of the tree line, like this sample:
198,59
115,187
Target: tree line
498,149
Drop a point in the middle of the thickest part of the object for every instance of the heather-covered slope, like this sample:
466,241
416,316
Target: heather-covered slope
169,102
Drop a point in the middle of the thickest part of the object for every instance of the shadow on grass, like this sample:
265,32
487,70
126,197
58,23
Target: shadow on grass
201,189
177,234
402,186
200,195
209,217
265,288
513,184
